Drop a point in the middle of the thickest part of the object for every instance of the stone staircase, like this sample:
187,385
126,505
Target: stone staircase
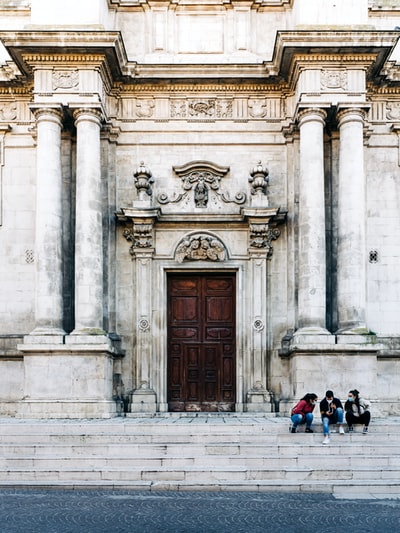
203,452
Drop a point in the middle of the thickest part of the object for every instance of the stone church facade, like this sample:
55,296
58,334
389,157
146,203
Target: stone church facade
199,205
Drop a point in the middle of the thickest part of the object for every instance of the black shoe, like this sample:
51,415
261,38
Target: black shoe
350,429
293,430
309,430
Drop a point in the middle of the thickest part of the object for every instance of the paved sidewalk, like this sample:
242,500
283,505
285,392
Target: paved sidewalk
56,511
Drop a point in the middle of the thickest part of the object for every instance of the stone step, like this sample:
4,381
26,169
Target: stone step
367,488
189,453
173,426
112,450
188,457
193,472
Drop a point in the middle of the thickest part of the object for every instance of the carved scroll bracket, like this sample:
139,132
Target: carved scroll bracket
139,229
263,229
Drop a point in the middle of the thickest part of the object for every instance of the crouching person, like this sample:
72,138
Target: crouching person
331,409
302,412
357,411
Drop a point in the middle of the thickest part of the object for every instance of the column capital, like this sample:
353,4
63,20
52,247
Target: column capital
93,114
47,113
308,114
351,113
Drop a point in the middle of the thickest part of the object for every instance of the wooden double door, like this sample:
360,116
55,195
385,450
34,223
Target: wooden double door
201,342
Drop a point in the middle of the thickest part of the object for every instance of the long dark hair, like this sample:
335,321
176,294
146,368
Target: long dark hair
355,393
309,397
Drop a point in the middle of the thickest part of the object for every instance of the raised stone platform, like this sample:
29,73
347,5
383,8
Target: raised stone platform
204,452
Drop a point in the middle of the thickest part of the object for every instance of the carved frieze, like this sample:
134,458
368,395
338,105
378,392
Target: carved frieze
178,106
200,247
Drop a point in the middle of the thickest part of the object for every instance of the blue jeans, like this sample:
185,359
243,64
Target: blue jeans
300,419
335,418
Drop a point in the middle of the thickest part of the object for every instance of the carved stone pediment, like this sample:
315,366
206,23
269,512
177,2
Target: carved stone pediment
201,186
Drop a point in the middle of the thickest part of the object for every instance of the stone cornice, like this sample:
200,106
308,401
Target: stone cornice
368,47
29,48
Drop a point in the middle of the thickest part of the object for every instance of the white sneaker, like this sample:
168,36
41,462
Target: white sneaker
326,440
341,430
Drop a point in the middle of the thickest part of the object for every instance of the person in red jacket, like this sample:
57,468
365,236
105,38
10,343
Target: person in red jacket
302,412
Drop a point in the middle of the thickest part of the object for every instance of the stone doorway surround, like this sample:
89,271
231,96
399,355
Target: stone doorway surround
164,239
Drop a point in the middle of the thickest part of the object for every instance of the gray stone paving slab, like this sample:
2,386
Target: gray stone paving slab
63,511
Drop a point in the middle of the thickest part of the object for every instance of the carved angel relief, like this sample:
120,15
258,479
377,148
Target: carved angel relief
200,248
203,179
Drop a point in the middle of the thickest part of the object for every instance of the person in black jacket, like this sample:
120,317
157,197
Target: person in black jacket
357,411
331,409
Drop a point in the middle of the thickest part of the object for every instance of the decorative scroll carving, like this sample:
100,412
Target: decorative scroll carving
65,79
200,248
141,236
224,108
206,108
8,111
202,108
145,108
203,178
393,110
257,107
261,236
334,79
178,108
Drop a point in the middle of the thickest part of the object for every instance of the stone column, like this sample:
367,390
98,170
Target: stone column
88,233
49,294
351,260
312,250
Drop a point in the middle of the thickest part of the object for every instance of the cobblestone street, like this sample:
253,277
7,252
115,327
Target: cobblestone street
63,511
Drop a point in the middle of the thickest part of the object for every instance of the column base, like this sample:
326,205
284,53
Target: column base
143,400
356,334
45,335
312,335
259,401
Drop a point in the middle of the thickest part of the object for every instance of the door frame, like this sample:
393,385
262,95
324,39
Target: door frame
160,341
220,405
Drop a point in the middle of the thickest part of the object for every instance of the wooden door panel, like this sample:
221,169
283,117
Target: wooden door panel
184,309
201,311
